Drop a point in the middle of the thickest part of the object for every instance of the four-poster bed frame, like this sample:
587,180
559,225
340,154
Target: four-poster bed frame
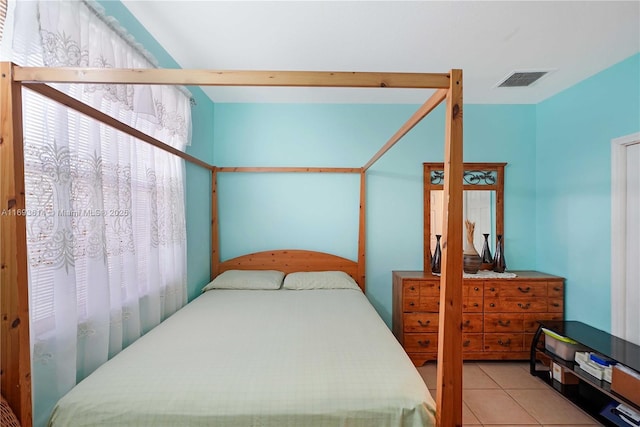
14,338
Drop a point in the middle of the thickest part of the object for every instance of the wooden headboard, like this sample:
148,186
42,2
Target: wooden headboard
292,260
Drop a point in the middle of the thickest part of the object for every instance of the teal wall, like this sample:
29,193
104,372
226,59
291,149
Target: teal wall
320,212
198,197
573,185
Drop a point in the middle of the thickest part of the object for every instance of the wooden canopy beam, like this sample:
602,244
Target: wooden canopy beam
106,119
449,370
289,170
425,109
233,78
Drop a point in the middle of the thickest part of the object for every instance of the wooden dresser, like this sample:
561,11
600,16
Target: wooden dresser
498,320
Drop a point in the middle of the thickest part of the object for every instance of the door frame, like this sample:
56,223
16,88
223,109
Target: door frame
618,229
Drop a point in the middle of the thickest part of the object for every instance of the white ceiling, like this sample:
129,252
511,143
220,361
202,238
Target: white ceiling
487,39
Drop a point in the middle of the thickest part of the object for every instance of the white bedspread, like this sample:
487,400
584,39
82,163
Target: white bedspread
258,358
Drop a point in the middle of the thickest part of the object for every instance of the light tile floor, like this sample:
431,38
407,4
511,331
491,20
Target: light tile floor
505,394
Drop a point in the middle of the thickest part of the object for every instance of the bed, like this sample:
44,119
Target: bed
14,330
310,357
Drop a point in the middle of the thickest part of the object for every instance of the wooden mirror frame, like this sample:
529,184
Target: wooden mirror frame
474,179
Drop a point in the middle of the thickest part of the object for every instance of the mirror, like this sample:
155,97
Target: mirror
483,198
479,206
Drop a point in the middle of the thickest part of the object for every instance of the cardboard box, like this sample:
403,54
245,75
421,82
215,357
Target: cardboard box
563,375
626,383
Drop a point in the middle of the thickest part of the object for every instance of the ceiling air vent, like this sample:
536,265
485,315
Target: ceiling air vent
521,78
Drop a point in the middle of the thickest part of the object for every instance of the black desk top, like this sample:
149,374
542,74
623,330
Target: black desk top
601,342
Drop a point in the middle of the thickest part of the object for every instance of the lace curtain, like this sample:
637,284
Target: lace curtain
105,212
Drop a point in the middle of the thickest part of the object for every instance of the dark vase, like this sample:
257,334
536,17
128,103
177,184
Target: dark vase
499,264
487,259
437,256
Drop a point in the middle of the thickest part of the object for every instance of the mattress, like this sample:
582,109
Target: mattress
257,358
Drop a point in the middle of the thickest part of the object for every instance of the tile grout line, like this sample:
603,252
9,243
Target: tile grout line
510,397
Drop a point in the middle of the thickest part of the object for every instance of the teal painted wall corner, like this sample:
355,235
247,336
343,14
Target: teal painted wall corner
574,130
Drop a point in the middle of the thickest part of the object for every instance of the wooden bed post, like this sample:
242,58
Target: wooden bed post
15,379
362,230
449,370
215,237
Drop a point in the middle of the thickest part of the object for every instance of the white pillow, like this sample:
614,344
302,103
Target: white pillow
247,279
319,280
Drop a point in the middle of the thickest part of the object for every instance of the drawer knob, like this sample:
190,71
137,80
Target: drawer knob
555,304
505,324
557,288
412,303
466,343
492,289
425,323
524,290
467,322
506,343
492,305
476,289
524,306
475,304
412,288
424,343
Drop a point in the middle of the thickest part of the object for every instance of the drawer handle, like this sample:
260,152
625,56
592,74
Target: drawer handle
524,306
492,289
506,343
412,303
413,288
467,322
466,343
557,288
492,305
555,304
424,324
475,304
476,289
424,343
505,324
525,290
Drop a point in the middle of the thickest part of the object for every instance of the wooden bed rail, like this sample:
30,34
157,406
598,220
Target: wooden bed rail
14,332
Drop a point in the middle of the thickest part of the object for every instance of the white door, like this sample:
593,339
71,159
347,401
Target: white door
625,239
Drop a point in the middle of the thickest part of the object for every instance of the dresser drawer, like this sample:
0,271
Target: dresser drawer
531,320
503,342
472,289
430,304
472,343
420,322
472,323
556,305
555,289
515,289
516,305
472,304
504,322
421,343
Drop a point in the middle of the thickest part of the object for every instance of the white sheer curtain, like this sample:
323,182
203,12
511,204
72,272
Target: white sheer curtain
106,224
